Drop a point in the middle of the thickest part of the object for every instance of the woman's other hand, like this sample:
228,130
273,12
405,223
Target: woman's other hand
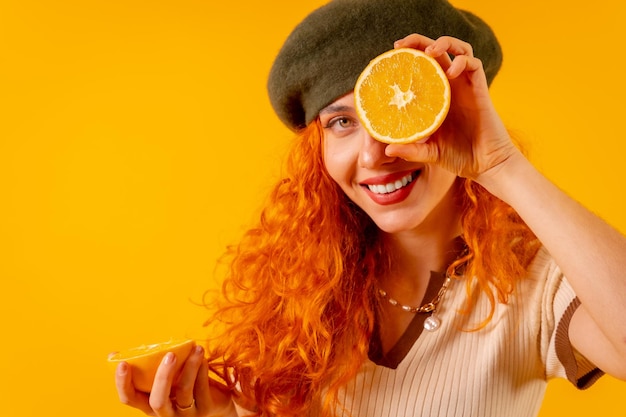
188,395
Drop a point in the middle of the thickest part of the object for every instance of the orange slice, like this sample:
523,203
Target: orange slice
145,360
402,96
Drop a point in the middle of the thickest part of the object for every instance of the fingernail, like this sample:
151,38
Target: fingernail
122,368
199,350
169,358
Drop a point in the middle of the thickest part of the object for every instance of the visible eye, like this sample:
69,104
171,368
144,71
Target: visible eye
342,122
341,125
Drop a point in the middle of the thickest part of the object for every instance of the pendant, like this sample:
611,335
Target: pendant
432,323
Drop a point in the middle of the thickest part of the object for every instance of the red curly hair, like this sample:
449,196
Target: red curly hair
298,302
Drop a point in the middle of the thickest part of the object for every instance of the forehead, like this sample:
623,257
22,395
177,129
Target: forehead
342,104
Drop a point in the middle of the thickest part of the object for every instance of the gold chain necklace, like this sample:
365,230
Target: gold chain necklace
432,322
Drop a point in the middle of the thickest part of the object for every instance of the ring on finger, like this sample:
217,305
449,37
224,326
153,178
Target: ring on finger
188,407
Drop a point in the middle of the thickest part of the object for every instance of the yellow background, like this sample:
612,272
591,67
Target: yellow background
136,140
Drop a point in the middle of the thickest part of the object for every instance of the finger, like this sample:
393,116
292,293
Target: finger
449,45
462,64
415,41
162,386
414,152
423,43
184,389
463,56
126,391
201,390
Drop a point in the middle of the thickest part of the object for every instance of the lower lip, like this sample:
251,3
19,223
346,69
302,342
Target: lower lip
394,197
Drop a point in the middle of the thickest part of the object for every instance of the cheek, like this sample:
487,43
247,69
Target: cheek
440,183
446,180
337,163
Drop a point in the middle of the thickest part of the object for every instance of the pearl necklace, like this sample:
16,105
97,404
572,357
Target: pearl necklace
432,322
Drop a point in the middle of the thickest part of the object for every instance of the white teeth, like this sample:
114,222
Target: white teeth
392,186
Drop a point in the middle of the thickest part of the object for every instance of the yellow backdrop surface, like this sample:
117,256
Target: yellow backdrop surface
136,140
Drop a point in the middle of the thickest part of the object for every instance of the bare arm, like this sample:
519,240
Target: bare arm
590,253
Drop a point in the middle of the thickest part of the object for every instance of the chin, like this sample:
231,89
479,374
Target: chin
396,225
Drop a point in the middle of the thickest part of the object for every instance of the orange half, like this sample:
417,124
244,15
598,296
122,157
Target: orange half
145,360
402,96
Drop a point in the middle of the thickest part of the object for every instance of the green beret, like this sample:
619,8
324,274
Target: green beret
322,58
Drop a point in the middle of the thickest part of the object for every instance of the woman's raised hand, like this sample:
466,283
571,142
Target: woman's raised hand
472,141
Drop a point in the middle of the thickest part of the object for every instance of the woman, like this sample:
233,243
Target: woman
406,280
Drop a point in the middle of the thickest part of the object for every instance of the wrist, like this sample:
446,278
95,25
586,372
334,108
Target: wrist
503,179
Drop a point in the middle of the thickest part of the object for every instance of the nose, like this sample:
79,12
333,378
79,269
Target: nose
372,154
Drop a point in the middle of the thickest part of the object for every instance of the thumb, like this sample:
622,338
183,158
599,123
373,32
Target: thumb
415,152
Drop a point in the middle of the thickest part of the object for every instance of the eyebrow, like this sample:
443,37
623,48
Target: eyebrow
336,108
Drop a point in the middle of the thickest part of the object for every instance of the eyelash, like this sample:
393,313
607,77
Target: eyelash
335,120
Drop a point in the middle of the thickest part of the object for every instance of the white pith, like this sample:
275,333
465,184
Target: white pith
401,98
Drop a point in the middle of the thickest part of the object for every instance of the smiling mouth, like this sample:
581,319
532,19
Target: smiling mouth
393,186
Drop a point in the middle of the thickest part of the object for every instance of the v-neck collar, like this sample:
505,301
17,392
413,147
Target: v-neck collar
398,352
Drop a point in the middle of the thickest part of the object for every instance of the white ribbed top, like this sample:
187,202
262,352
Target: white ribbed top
498,371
